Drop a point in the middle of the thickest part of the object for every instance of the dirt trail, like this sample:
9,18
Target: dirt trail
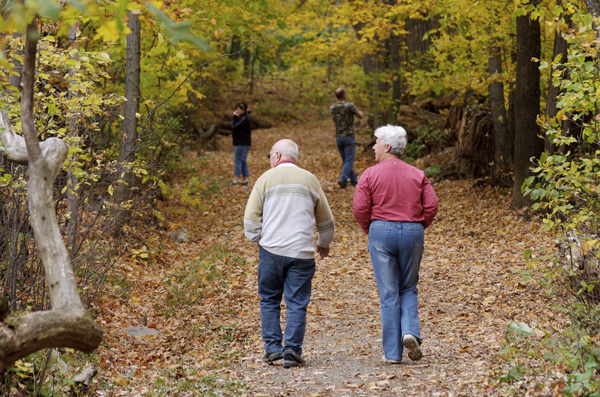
468,292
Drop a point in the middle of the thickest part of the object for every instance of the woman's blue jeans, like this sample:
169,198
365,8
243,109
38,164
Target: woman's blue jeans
346,145
240,166
290,277
396,250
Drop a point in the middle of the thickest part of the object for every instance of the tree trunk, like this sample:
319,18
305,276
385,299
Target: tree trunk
560,48
236,46
594,9
395,66
14,81
416,45
247,60
129,145
370,66
502,146
67,324
511,116
73,181
252,70
417,28
528,144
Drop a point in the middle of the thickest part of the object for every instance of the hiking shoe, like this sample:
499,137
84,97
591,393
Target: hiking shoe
291,359
270,357
411,343
343,184
388,361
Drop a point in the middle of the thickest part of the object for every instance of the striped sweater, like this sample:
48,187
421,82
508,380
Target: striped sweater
285,205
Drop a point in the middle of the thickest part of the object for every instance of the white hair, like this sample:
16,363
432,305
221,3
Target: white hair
392,135
287,148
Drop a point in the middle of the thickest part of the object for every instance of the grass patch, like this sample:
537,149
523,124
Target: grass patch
206,276
197,382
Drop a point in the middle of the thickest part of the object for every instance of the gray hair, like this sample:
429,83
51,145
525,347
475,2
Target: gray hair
392,135
287,148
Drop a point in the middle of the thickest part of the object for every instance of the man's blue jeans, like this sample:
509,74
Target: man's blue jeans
240,166
290,277
347,147
396,250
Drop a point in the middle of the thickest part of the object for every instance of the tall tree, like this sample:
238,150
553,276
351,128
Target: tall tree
528,143
73,181
125,178
503,146
559,55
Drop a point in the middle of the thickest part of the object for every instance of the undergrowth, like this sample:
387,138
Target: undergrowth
564,357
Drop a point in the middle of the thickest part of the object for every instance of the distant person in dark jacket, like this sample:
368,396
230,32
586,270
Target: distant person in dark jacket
343,113
241,143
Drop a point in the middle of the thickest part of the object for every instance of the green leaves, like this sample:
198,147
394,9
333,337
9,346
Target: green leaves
521,329
178,31
47,8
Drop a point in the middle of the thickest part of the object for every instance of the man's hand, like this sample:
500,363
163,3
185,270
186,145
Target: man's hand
323,252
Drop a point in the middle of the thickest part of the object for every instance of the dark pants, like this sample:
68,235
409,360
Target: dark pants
347,147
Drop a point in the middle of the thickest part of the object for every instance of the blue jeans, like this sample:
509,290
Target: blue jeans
240,166
347,147
290,277
396,250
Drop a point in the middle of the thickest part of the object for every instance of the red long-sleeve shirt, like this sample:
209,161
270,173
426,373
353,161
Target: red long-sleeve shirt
394,191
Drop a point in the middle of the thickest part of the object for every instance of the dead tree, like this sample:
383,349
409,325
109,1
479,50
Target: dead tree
67,324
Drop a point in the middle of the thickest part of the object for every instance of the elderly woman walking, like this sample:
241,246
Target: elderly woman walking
393,203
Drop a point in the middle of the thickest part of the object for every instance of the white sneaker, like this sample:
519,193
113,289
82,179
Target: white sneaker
412,344
388,361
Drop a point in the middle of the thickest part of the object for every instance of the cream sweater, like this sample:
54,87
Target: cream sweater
285,205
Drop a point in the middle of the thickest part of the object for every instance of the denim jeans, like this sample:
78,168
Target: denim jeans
347,147
240,166
396,250
290,277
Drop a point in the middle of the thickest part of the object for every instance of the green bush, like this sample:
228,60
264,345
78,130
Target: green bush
565,191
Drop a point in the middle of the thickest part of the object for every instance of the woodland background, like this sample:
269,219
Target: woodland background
103,102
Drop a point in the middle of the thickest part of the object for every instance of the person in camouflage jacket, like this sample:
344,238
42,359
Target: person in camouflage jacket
343,113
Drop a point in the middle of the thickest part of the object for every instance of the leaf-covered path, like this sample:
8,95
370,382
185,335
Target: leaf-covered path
468,294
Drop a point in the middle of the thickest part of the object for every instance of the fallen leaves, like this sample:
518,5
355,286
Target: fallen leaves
207,307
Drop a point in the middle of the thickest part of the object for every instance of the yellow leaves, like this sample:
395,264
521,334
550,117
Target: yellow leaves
107,31
23,367
489,300
102,58
218,33
590,245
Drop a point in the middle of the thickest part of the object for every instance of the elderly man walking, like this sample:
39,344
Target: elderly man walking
285,205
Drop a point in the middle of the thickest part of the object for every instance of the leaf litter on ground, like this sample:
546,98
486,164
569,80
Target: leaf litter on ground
202,295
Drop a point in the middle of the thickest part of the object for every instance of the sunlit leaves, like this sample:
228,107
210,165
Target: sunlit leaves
177,31
566,184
